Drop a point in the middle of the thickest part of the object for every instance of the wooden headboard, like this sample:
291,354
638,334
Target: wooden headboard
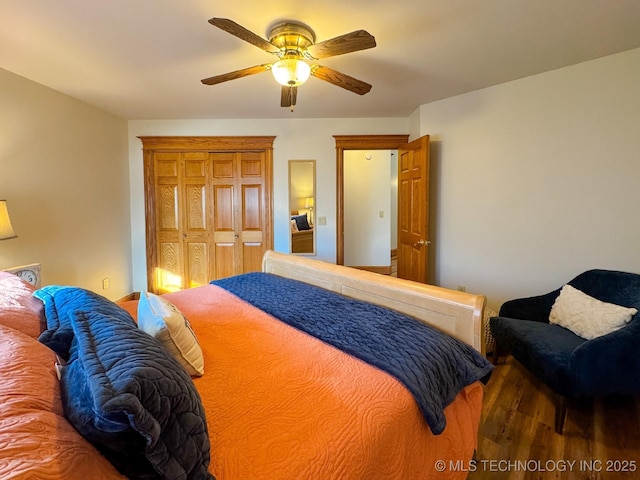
458,314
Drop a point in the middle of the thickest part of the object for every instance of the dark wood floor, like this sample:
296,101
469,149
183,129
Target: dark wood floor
517,439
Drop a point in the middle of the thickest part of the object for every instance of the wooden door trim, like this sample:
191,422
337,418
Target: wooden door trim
150,218
356,142
152,144
214,144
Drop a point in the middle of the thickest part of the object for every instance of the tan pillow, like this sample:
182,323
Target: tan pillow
586,316
159,318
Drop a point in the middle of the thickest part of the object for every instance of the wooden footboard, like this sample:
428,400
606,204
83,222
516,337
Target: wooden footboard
457,313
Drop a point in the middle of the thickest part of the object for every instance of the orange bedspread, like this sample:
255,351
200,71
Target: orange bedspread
283,405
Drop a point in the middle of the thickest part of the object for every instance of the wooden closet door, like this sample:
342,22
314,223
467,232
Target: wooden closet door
170,261
239,212
182,220
253,213
196,218
208,208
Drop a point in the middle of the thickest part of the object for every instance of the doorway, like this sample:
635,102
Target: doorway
413,195
356,142
370,209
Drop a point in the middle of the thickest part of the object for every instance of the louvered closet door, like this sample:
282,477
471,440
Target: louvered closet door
182,220
239,212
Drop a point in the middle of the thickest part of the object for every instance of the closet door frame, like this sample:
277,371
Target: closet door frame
153,144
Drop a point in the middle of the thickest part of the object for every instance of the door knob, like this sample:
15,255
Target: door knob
420,243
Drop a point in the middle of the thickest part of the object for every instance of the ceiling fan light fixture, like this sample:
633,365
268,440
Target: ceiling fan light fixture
291,72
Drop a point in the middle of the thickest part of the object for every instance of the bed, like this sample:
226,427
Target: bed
270,399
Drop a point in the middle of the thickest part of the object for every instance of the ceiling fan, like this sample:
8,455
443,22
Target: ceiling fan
294,45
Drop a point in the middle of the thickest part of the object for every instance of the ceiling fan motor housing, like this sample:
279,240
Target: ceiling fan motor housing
291,36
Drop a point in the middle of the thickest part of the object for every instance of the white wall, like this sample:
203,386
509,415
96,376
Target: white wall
367,192
64,173
309,139
538,179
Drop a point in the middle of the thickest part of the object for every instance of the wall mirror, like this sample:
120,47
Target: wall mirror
302,199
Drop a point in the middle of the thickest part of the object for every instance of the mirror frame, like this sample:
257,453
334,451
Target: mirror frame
295,205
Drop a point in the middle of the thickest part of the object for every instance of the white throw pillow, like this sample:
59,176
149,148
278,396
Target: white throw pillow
586,316
162,320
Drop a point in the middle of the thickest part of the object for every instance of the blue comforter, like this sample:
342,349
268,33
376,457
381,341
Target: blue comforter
123,390
432,365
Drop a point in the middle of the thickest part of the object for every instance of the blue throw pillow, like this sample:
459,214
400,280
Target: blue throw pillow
124,392
60,302
302,221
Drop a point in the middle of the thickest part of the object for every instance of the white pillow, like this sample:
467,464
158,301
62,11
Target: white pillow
162,320
586,316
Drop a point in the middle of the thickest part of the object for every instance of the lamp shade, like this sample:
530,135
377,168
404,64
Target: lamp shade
308,202
6,230
291,72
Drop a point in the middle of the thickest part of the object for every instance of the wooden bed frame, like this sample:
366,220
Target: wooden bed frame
458,314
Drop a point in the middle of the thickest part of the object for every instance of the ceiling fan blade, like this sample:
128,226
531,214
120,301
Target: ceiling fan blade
350,42
340,79
239,31
288,96
237,74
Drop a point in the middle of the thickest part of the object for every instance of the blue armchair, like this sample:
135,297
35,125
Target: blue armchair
571,365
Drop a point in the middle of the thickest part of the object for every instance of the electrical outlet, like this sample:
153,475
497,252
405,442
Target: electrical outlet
105,283
322,220
462,288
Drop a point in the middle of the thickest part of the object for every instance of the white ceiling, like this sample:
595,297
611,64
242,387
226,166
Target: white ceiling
144,59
